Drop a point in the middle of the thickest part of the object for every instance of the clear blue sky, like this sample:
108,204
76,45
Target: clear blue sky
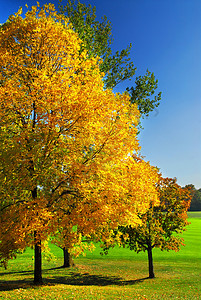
166,39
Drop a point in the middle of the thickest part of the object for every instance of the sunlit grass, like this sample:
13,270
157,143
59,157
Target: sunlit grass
120,275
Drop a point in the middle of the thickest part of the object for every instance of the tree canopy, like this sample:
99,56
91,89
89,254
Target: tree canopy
65,140
96,39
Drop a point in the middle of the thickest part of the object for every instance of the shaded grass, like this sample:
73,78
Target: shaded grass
122,274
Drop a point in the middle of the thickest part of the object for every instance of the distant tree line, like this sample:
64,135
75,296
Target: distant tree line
196,198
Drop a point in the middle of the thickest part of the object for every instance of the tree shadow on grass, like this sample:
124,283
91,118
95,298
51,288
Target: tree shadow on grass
86,279
19,272
70,278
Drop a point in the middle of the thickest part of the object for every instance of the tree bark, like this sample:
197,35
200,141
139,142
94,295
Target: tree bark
37,262
150,259
68,260
37,252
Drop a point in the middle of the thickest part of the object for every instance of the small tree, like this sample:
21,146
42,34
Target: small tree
160,223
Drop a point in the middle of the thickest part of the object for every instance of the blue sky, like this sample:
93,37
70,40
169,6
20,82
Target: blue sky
166,39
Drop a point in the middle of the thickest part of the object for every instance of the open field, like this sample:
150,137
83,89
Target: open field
120,275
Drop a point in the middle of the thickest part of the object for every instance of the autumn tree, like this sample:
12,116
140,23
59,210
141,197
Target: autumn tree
160,224
131,179
96,40
65,140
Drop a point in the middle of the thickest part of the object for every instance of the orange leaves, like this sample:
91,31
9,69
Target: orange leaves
174,198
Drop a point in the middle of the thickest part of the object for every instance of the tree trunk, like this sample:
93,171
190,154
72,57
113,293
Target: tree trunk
38,262
37,252
68,260
150,258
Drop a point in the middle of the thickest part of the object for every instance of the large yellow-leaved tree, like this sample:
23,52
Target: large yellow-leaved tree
65,141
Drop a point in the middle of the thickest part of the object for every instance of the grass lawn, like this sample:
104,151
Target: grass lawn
122,274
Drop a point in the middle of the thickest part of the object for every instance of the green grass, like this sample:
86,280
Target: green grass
122,274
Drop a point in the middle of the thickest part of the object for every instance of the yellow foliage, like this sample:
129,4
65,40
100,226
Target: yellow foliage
66,143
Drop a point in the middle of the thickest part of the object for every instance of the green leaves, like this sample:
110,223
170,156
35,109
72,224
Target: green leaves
143,93
118,68
95,35
96,40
